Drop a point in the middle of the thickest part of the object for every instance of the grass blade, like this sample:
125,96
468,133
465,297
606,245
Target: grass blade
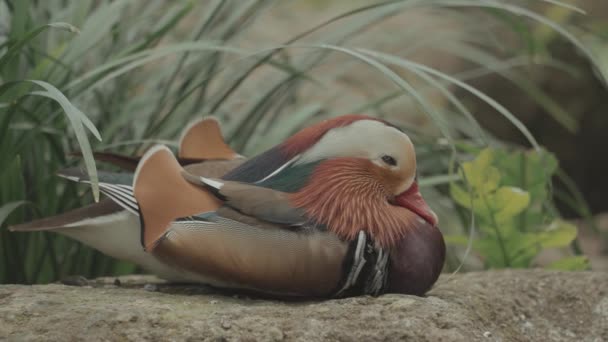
497,106
16,47
76,118
8,208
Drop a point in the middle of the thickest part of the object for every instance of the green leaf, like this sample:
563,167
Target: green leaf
456,239
77,119
461,196
15,48
482,96
95,29
493,204
434,83
573,263
20,19
8,208
480,173
70,109
172,18
279,132
467,147
522,11
366,57
508,202
493,253
525,246
531,170
109,70
522,248
558,234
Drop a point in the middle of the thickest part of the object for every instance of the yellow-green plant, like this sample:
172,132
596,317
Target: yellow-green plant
508,193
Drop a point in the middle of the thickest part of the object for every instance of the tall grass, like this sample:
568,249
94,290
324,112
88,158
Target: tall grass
93,75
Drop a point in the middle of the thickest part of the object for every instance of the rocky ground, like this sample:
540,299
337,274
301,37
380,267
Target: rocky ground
531,305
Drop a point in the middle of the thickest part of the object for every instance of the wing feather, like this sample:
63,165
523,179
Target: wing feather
260,202
203,139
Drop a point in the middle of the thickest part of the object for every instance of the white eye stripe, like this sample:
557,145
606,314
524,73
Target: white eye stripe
365,139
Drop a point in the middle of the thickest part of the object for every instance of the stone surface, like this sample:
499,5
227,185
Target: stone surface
532,305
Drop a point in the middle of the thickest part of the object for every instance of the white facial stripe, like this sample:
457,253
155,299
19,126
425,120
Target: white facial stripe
367,139
364,139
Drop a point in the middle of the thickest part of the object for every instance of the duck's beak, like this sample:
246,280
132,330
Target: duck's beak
412,200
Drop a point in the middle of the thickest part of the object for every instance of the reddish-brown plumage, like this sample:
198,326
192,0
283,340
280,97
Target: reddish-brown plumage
309,136
347,195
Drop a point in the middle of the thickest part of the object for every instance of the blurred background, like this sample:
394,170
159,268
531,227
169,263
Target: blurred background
504,100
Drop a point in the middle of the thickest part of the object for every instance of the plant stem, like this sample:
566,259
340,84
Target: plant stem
501,242
522,169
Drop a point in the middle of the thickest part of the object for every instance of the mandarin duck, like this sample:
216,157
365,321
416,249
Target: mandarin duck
332,211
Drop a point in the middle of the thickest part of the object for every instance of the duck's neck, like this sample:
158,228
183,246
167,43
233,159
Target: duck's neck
417,261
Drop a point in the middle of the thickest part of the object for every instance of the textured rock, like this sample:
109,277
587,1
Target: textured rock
531,305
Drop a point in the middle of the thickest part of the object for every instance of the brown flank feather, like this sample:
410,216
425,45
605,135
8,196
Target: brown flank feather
268,260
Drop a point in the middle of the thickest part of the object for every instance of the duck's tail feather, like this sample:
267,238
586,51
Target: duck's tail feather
71,218
115,185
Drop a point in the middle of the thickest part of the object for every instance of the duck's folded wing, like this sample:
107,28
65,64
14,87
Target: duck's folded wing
260,202
203,139
213,168
164,196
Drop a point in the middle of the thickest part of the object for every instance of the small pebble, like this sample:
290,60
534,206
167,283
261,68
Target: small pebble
151,287
487,334
213,301
117,282
226,325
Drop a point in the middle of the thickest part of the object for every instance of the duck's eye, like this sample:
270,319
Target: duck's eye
389,160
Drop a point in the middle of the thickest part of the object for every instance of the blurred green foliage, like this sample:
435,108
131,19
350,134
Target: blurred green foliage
132,73
507,192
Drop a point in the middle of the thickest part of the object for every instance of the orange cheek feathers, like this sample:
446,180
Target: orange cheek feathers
345,195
